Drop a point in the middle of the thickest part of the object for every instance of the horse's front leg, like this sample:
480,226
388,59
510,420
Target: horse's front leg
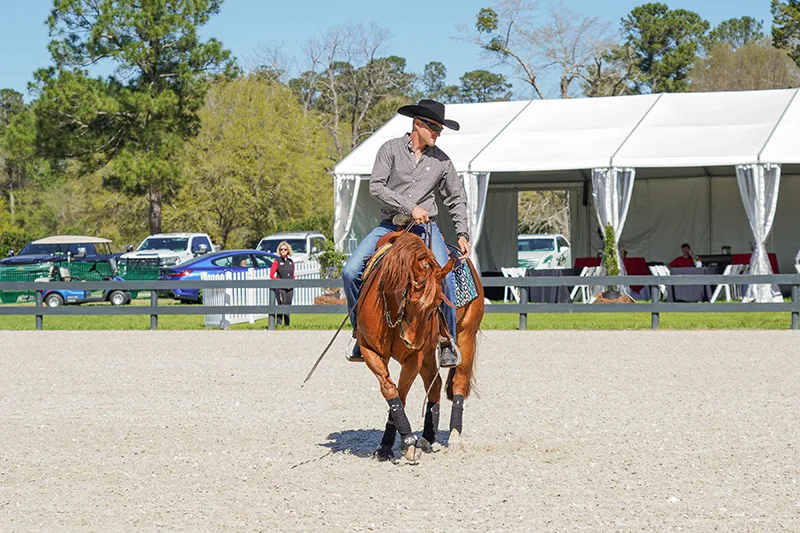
395,397
433,384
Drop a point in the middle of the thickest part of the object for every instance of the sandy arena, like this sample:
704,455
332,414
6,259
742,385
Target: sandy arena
570,431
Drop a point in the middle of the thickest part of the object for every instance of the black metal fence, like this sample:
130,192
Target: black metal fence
523,308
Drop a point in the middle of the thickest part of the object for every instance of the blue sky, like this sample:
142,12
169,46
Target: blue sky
420,36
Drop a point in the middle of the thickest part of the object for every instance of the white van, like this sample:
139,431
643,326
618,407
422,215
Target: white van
544,250
304,244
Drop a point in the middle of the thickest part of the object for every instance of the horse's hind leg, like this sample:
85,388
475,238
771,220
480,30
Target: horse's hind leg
459,384
433,384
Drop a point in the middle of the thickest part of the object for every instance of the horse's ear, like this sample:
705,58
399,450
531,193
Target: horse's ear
446,268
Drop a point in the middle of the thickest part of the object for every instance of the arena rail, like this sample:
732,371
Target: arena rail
655,308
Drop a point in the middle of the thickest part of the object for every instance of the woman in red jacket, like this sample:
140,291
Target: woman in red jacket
283,268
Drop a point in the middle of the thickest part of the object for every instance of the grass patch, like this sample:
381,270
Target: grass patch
492,321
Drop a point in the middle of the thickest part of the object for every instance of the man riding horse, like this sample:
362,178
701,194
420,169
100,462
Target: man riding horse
407,172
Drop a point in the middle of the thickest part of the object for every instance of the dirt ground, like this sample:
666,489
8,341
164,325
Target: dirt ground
570,431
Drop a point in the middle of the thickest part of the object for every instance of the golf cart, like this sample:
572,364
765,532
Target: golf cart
73,267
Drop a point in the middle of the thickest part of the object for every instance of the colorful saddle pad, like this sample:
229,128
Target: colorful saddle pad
466,289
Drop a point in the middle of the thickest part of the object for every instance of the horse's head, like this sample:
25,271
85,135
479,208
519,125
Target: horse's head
411,272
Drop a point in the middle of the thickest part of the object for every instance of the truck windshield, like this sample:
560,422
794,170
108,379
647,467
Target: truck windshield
176,244
536,245
271,245
36,249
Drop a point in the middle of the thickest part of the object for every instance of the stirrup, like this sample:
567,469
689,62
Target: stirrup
355,356
448,363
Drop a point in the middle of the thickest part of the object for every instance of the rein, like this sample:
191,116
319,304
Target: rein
350,310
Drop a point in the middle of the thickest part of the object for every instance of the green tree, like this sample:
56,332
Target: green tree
135,121
737,32
434,84
756,65
665,45
484,86
562,43
786,27
257,163
348,78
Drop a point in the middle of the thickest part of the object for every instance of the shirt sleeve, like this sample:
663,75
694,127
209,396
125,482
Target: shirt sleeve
378,182
455,198
273,270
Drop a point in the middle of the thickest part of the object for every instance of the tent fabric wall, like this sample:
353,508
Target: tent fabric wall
498,246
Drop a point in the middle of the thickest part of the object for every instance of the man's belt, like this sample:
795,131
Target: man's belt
389,220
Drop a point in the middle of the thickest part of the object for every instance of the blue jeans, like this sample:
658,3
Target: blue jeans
351,273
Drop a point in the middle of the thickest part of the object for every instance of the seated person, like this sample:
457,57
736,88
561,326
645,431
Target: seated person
686,260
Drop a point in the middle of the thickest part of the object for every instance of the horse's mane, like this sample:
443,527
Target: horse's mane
397,270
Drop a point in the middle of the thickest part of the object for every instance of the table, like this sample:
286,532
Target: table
692,293
551,295
634,266
744,259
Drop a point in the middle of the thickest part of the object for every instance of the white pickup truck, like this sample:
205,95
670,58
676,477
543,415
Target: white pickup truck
168,249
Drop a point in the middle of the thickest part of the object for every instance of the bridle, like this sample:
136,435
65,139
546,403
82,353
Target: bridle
402,306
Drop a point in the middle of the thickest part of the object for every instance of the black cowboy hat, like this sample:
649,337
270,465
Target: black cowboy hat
430,109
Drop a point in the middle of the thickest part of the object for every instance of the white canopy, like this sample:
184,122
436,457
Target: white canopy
556,144
480,123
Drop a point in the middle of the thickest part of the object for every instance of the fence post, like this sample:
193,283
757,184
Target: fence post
153,303
795,300
523,317
655,299
271,317
224,320
39,318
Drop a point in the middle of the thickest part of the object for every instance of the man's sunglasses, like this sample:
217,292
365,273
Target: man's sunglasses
432,125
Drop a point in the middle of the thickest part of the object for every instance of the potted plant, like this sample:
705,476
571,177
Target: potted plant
611,266
331,263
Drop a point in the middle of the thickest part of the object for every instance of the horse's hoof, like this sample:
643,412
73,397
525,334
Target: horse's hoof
412,454
384,453
409,449
424,445
455,443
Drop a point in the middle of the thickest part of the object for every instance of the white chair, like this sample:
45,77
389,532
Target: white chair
657,270
732,290
584,289
512,272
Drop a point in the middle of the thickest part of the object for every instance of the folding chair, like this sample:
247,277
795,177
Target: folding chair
732,290
510,272
655,270
584,289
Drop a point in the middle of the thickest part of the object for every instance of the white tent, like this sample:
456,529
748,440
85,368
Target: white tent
684,150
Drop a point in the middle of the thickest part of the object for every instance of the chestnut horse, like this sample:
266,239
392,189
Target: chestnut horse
397,318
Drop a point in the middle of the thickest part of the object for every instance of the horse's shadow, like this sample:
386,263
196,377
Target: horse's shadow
363,442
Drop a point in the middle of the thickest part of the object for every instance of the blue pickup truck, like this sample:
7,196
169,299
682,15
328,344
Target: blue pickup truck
56,248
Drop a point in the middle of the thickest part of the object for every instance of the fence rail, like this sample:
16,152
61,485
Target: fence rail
654,308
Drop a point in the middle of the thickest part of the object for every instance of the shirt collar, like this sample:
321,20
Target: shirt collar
410,145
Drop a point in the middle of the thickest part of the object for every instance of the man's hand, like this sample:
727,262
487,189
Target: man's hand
463,244
419,215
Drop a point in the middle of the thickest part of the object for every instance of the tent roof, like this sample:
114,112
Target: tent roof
564,134
480,123
782,146
704,129
665,131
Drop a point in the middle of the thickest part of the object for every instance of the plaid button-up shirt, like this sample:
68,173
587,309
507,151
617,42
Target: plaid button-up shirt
400,182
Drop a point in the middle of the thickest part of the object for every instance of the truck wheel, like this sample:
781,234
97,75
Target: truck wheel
53,300
117,298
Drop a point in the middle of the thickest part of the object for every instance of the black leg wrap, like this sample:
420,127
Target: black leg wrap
399,417
457,413
431,422
389,433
